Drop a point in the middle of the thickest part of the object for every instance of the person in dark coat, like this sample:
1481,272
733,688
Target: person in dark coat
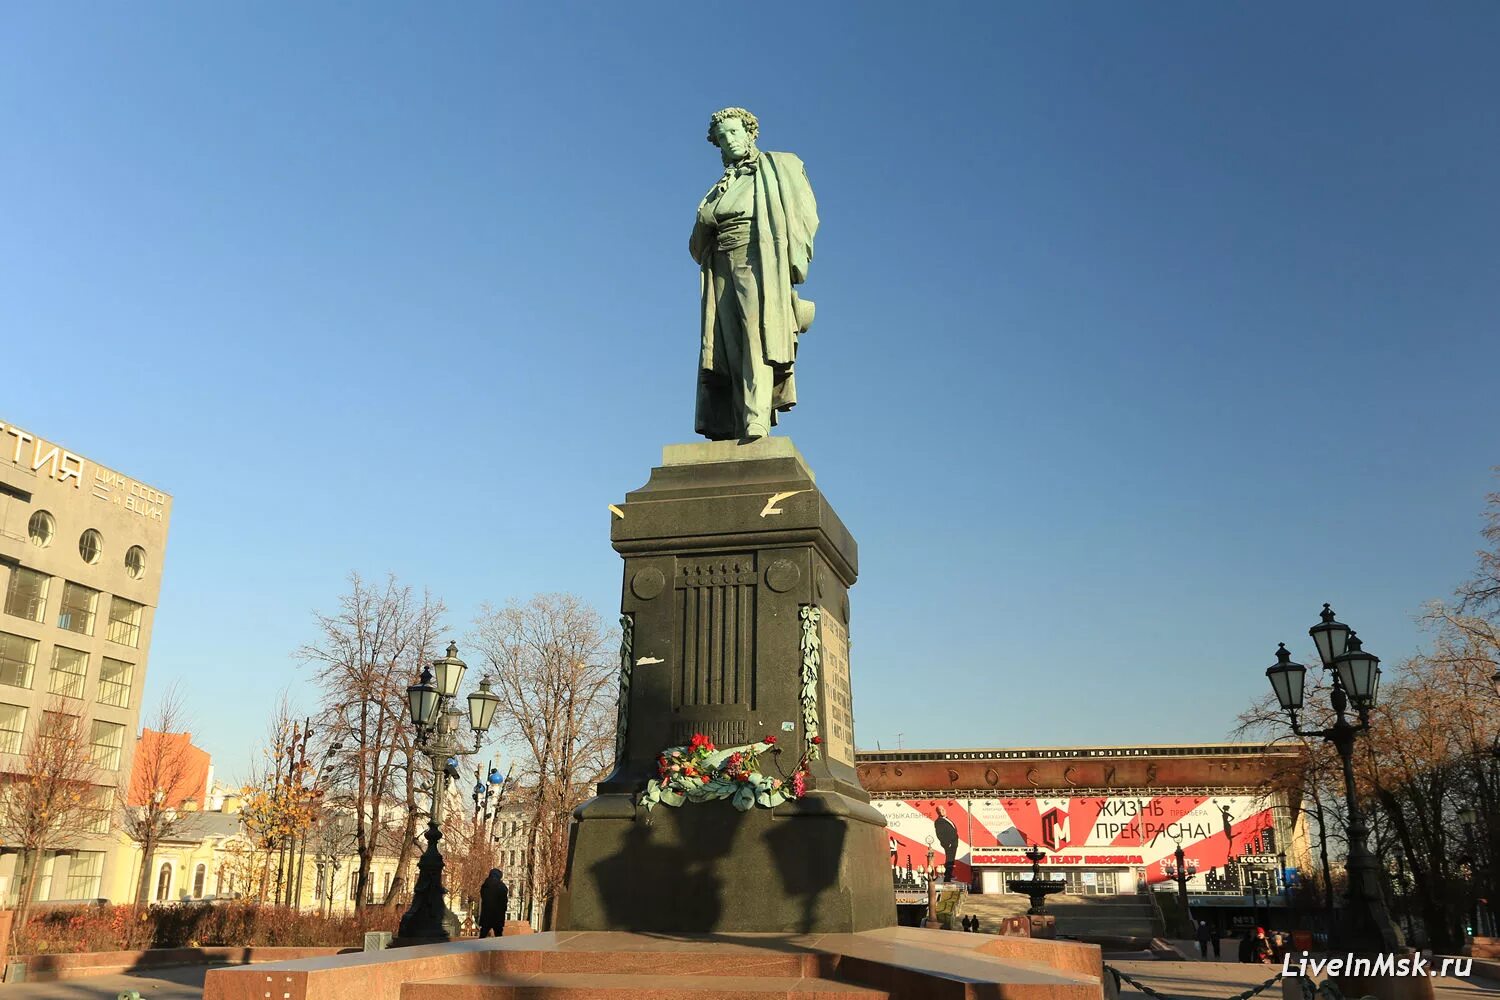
1203,936
1247,947
493,901
1263,952
1214,937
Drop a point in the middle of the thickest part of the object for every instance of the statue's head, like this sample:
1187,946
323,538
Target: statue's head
733,130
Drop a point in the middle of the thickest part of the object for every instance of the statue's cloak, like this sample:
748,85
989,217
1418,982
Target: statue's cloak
785,222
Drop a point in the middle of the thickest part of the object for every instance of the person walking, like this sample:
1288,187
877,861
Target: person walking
1262,947
1203,936
1213,937
1246,951
494,898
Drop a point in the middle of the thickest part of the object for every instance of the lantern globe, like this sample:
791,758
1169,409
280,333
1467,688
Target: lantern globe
1287,679
1330,636
422,700
1358,672
482,705
449,671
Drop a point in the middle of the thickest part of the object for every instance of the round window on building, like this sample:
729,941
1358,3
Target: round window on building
90,545
41,528
135,562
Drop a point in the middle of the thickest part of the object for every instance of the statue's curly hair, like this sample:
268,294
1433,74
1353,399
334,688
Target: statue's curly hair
751,123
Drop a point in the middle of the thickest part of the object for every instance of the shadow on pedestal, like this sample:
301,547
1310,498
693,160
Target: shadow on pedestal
794,869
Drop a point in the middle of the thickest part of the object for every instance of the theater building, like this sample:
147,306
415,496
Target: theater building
81,550
1109,819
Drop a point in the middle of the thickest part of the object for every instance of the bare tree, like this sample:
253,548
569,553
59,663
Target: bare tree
274,809
160,779
1314,778
1432,755
368,652
550,662
45,798
332,839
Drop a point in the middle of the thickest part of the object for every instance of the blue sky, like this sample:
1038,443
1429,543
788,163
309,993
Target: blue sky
1142,329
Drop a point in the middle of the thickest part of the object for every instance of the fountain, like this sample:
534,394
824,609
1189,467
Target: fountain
1035,887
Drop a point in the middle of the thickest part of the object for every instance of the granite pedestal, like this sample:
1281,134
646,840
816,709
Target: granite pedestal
736,609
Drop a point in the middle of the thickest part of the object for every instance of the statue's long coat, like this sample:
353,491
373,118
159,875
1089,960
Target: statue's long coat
786,220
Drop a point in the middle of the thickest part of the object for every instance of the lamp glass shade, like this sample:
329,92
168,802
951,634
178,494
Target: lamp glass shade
1495,680
1287,680
1466,815
423,700
449,671
482,704
1359,673
1330,636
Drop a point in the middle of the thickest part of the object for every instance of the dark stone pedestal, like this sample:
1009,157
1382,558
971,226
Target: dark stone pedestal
736,598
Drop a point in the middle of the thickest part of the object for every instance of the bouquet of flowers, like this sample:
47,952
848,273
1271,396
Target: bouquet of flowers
701,772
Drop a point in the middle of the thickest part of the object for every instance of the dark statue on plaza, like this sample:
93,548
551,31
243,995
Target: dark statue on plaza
753,239
734,626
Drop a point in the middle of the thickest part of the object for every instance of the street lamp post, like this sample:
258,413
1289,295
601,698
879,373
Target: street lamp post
314,794
486,788
1466,817
430,701
1182,895
932,920
1367,927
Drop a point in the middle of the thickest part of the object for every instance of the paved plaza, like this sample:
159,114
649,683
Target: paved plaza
181,983
1192,980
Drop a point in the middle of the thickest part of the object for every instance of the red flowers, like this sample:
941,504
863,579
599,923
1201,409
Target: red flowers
768,739
799,784
817,741
701,742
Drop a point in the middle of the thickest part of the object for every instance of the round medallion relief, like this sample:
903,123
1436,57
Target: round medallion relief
648,583
782,575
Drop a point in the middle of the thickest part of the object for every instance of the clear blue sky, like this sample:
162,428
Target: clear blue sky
1143,329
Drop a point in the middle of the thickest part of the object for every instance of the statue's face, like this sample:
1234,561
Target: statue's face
732,139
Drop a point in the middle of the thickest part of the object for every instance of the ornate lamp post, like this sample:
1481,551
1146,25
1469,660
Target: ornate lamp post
1466,817
437,721
1181,877
932,920
1367,927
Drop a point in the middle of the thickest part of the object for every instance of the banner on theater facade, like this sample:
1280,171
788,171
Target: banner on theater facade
1140,832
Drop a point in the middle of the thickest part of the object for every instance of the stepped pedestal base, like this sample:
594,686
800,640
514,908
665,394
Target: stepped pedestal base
894,963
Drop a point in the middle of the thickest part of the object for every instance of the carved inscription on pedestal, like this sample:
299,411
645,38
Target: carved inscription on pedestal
838,722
